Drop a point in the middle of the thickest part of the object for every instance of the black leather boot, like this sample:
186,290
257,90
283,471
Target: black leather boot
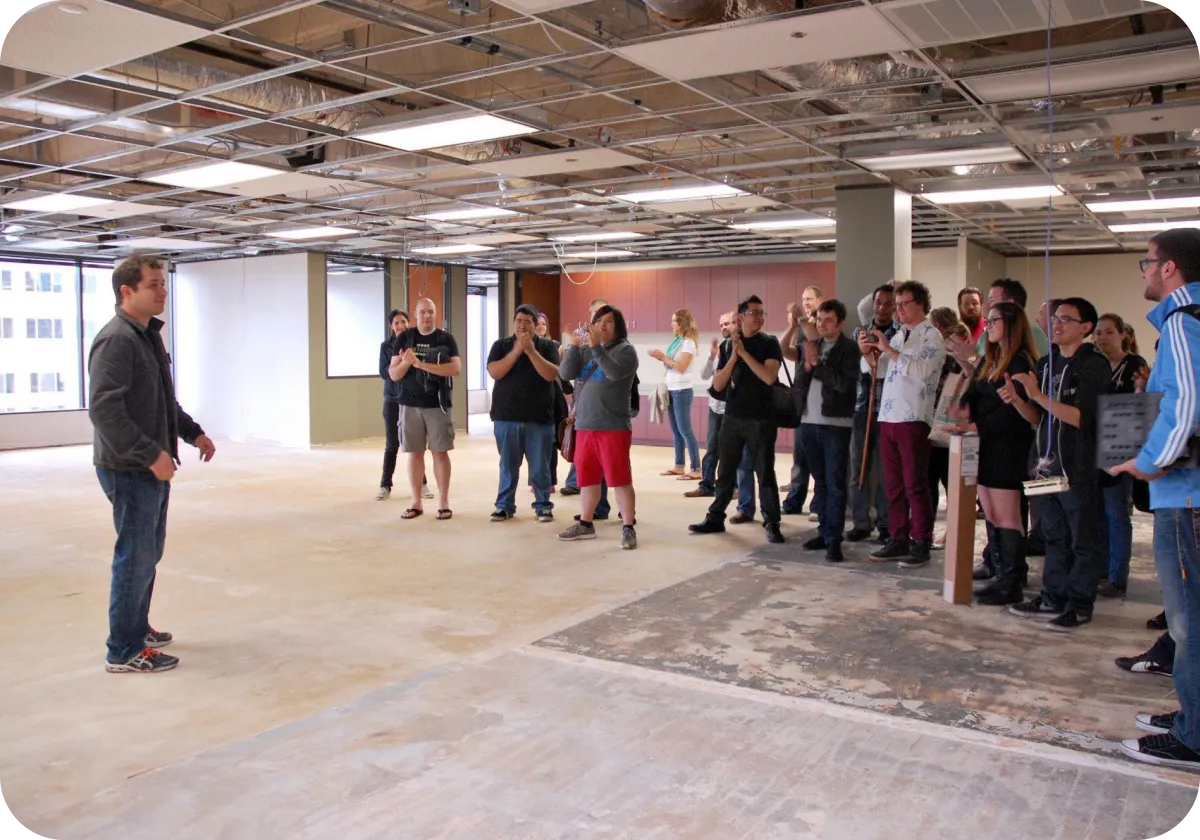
1010,556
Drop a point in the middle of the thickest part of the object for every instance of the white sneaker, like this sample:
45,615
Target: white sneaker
426,493
814,517
384,494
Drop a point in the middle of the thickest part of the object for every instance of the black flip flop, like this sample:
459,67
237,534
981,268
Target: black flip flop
411,513
445,513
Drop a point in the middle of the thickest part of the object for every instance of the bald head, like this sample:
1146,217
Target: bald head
426,313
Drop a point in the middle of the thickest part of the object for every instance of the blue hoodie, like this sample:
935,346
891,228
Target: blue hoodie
1176,376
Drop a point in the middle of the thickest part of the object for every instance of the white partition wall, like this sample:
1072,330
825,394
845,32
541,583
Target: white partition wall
242,347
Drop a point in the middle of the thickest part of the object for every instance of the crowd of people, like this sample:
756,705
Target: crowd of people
876,405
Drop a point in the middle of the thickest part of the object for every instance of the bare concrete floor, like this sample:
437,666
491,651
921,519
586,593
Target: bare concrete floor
348,674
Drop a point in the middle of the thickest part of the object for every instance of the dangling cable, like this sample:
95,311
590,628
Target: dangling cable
1047,384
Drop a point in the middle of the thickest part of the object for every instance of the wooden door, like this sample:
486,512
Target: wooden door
645,301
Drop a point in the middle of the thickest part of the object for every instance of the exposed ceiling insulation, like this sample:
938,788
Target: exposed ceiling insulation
609,97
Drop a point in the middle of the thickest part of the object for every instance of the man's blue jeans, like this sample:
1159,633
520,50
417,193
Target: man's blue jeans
827,450
1071,570
801,472
139,503
680,414
1116,530
745,479
604,508
517,442
1177,558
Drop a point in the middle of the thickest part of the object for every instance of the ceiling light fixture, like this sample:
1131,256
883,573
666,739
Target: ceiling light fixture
1149,227
785,224
474,214
451,127
54,244
948,157
599,254
310,232
820,242
451,249
1000,194
56,203
598,236
681,194
212,175
1135,206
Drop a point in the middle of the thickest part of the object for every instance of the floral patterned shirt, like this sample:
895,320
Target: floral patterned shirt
910,389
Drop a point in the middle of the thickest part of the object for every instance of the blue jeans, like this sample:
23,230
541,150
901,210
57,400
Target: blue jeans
680,414
1116,530
1177,558
1071,571
139,503
745,479
827,450
798,486
860,497
517,442
603,508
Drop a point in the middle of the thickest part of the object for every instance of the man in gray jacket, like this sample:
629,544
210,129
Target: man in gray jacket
137,425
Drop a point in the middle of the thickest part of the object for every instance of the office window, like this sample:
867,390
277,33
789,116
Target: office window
6,281
354,316
52,365
89,281
8,384
98,303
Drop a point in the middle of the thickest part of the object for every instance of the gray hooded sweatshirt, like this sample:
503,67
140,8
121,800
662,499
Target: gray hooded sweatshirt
603,391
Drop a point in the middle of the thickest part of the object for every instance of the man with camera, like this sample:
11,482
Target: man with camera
1171,272
426,361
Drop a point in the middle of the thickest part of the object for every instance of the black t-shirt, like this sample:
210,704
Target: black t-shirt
748,396
419,389
523,396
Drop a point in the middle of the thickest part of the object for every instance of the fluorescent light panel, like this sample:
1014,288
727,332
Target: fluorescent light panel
310,232
213,175
53,244
1149,227
472,214
1001,194
785,224
451,249
1139,205
949,157
681,193
452,131
598,236
56,203
598,254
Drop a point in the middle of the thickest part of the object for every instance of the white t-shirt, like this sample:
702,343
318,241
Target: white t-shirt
677,381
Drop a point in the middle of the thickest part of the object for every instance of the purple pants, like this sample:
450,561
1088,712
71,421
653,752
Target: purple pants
904,448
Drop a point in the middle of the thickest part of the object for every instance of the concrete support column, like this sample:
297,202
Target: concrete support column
395,274
508,301
874,240
455,307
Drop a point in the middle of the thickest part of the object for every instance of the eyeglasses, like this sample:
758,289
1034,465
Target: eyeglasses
1064,319
1142,264
756,313
908,302
996,320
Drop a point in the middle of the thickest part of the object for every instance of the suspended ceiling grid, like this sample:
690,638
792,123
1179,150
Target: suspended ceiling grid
99,95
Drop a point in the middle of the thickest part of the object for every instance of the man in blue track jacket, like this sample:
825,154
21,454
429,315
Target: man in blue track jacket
1171,272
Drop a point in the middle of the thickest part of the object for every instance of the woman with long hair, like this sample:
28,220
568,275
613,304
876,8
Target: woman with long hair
678,359
1116,492
1005,440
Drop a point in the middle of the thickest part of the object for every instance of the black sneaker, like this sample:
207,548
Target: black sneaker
708,526
817,543
1068,621
883,537
157,639
545,516
1156,724
1163,750
1159,622
1143,664
1111,590
628,537
918,555
499,515
1036,608
858,534
595,517
892,550
833,553
569,491
149,661
984,571
774,535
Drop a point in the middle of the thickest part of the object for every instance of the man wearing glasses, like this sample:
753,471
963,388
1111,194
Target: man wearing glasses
915,356
748,366
1171,272
1061,400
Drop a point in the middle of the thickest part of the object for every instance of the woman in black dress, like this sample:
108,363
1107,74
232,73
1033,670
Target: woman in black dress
1005,439
1116,492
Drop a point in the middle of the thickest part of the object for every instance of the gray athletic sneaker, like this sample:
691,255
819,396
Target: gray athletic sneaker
628,537
578,531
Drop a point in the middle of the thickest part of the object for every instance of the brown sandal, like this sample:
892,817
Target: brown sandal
411,513
691,476
445,513
672,472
